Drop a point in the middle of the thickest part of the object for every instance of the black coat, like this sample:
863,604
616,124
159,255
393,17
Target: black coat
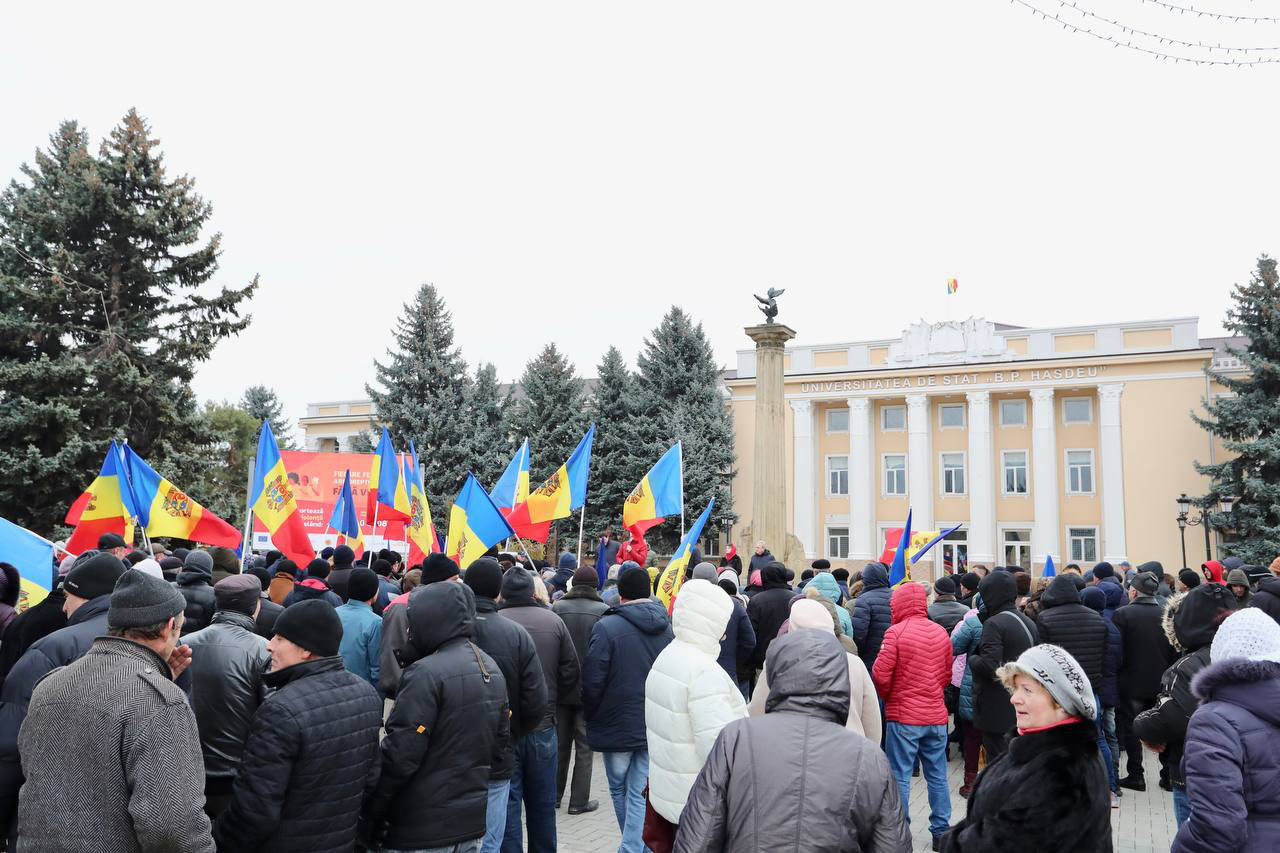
512,649
1147,653
228,661
1048,793
1266,598
33,624
444,731
738,644
580,609
872,616
267,615
311,758
554,646
196,588
338,581
624,645
1003,639
1078,629
767,610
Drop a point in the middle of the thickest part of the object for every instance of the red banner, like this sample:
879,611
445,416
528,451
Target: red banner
317,479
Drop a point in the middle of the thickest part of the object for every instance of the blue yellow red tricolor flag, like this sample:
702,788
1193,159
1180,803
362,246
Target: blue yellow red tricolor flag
910,547
952,285
388,497
273,502
344,519
475,525
659,494
420,530
165,510
106,506
672,577
32,556
512,491
562,493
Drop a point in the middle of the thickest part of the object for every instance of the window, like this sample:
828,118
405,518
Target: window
1084,544
955,552
953,473
951,415
837,475
895,474
1013,413
838,543
1014,463
893,418
1077,410
1017,548
837,420
1080,472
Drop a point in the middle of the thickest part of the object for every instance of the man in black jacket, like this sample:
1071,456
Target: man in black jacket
195,582
312,752
1006,633
512,649
343,564
533,780
1147,654
768,609
228,660
444,732
1266,598
580,609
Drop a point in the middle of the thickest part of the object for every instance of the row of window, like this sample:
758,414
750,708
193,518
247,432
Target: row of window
1013,463
1015,546
1013,413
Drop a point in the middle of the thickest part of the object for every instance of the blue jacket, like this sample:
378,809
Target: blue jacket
738,643
387,590
1108,688
965,641
624,644
871,614
824,583
361,640
1115,598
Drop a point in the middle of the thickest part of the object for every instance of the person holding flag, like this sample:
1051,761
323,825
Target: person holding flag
344,519
273,501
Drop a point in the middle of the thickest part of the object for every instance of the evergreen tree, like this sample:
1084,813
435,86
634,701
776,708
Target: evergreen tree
1248,422
363,442
490,445
222,488
680,392
553,416
105,314
262,404
423,394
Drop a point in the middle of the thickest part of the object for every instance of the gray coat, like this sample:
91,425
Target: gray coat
796,778
581,609
112,758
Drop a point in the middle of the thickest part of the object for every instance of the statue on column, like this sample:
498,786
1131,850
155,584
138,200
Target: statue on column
770,309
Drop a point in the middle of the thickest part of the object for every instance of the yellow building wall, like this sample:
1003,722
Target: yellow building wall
831,358
1148,338
1017,508
948,507
887,509
1073,343
1078,509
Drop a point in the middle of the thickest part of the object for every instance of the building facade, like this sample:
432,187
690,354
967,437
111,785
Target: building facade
1073,442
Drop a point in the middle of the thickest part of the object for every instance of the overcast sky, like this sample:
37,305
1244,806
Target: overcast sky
568,171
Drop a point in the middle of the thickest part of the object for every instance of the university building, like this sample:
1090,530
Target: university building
1073,442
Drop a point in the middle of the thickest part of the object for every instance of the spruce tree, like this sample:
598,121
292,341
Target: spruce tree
1248,422
626,445
423,395
261,403
105,314
489,444
680,393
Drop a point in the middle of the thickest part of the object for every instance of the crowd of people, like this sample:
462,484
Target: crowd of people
185,700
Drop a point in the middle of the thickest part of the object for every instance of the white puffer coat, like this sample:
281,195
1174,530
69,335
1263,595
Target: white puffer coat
688,697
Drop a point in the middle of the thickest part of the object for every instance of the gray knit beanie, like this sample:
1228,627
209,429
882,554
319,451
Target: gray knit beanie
140,600
1059,673
704,571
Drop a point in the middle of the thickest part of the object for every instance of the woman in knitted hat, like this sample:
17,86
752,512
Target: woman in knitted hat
1048,792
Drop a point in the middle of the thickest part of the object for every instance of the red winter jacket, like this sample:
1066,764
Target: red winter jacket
914,664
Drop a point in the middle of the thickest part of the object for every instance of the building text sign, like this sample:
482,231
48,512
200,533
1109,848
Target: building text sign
952,380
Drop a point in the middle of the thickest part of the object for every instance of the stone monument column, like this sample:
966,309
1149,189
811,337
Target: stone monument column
769,490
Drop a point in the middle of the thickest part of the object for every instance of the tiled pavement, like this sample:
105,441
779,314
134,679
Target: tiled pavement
1143,824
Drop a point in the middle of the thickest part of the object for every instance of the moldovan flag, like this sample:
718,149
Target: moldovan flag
165,510
273,501
421,530
672,577
563,492
911,547
475,525
344,519
659,494
105,507
32,556
388,499
512,490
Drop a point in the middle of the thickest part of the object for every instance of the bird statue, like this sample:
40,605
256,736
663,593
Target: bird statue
769,306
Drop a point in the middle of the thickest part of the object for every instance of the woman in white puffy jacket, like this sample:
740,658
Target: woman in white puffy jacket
688,697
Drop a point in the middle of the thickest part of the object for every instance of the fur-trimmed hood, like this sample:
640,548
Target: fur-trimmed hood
1191,618
1252,684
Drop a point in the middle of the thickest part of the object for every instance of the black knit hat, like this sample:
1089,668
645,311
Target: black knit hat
326,553
381,567
484,576
289,567
95,576
1190,578
438,568
820,564
140,600
1104,570
318,569
240,593
970,581
362,585
944,586
633,584
343,556
107,541
312,624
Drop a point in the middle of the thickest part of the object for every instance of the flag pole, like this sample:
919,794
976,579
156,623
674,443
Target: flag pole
582,515
680,444
248,512
527,556
128,480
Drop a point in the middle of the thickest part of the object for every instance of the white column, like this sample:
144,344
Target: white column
982,493
804,524
1111,475
919,462
862,471
1045,536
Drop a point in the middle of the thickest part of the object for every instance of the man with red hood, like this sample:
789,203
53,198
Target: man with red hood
634,549
1213,572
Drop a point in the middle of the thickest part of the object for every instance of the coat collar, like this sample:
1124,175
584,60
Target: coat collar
129,649
305,669
91,608
1081,735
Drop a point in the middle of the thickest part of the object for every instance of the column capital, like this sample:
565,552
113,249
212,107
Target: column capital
770,335
1110,391
858,405
917,401
978,396
802,410
1042,395
801,407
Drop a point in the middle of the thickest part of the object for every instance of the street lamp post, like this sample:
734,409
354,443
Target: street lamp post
1202,520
